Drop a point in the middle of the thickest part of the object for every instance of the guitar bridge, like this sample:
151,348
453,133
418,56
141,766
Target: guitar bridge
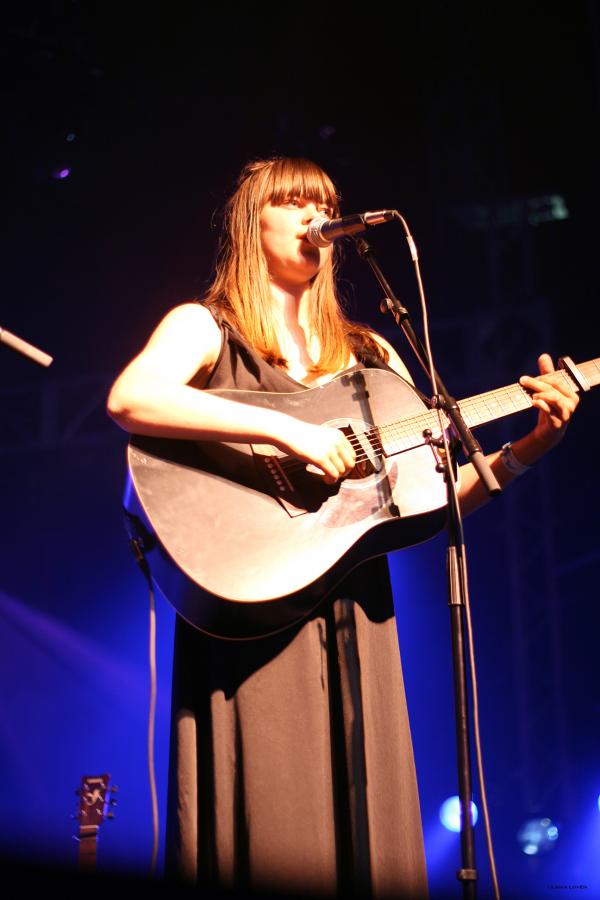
277,473
287,480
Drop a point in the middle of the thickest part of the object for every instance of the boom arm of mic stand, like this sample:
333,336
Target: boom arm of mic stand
471,446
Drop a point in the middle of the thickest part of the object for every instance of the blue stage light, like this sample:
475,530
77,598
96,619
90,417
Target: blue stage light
450,813
537,836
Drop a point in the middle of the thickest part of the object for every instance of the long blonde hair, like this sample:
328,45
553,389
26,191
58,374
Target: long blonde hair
241,288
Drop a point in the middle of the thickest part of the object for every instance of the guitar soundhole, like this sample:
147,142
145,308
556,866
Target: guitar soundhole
362,470
368,453
300,489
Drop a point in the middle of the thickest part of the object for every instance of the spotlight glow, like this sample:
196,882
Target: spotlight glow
537,836
450,813
61,174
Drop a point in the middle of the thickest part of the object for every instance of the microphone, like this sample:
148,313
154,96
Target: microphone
322,231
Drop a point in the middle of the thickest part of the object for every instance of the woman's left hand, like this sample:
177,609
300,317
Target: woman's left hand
554,399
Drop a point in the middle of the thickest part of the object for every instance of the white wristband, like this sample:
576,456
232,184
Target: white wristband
510,461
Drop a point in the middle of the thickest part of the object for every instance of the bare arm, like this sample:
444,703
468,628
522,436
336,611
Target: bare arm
151,396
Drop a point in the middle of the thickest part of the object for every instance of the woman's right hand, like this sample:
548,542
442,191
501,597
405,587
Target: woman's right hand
322,446
152,396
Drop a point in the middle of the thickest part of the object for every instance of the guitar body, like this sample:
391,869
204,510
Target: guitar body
249,541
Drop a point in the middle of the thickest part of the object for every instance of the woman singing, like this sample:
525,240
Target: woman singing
291,762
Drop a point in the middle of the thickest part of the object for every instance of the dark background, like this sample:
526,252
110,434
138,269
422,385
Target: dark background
479,123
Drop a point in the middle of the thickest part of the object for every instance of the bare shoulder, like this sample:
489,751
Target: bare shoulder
184,322
187,340
394,360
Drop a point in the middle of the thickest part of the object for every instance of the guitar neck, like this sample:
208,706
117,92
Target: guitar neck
479,410
88,844
505,401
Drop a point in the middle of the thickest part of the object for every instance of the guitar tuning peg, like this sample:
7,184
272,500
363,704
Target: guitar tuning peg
110,815
112,802
114,789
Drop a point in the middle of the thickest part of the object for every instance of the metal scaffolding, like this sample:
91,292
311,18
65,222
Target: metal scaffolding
55,413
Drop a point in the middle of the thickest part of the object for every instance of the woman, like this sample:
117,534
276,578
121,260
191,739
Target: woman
292,763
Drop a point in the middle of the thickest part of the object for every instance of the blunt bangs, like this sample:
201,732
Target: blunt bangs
299,177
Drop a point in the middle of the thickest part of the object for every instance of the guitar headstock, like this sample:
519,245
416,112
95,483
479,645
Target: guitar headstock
94,802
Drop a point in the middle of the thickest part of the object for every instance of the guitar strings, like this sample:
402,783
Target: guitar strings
291,464
482,408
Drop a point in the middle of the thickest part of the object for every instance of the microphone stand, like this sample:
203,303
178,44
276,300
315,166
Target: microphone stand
455,560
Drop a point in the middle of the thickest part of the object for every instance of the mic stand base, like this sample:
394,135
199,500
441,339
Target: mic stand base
468,873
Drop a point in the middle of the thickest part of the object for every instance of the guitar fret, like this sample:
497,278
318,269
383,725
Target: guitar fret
591,371
404,435
478,410
495,404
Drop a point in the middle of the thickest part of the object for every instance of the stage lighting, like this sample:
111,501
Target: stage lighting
598,802
537,836
61,174
450,813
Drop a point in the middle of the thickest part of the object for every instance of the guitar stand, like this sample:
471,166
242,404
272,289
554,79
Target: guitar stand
455,559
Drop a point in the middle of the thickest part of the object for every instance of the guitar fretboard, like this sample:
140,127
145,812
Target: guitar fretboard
478,410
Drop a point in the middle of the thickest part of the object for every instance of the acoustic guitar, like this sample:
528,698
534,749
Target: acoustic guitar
247,540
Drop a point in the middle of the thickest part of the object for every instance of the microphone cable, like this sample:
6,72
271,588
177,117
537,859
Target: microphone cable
140,541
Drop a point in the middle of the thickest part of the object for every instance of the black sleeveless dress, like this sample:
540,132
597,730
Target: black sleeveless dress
291,763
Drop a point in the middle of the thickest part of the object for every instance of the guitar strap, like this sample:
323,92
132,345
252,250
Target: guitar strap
372,361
